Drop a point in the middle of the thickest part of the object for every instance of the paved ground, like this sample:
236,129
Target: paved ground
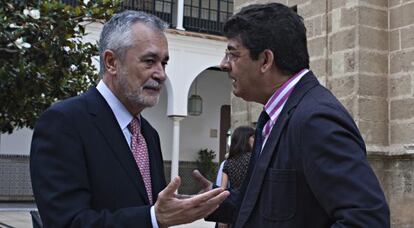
17,216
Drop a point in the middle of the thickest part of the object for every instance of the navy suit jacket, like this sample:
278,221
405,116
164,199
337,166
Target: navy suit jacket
82,169
312,172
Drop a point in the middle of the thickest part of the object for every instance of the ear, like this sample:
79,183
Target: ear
110,61
267,59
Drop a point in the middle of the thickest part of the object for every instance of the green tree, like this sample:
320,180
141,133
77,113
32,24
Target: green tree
42,58
205,163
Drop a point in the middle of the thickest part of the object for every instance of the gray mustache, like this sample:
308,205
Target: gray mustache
152,84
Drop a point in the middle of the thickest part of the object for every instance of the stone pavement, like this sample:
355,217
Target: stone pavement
17,216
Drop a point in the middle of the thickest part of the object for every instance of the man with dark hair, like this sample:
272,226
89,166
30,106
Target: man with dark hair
95,161
311,168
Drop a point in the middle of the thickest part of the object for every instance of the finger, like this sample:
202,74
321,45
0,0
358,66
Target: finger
200,198
183,196
206,208
201,179
219,198
172,186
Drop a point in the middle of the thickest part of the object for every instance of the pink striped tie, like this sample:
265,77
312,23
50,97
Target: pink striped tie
140,151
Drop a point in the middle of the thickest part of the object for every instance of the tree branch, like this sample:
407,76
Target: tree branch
9,50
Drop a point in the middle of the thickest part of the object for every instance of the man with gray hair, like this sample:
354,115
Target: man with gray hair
95,161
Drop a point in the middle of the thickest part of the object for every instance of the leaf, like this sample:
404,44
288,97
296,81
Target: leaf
30,81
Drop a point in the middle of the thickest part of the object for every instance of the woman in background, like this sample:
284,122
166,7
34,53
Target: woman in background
235,168
236,165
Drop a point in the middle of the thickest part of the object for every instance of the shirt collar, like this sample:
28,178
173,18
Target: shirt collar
279,93
122,115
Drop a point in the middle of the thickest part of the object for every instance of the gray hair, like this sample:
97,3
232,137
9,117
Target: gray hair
116,34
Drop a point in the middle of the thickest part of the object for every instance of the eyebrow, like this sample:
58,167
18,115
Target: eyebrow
150,54
154,55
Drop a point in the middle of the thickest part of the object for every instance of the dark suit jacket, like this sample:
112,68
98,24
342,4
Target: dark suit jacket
82,169
312,171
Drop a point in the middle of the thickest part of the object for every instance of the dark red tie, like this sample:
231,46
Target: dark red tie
140,151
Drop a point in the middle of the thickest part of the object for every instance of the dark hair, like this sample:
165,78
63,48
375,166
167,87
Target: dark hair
240,141
275,27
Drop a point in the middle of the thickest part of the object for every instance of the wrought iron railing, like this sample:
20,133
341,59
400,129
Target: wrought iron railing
206,16
160,8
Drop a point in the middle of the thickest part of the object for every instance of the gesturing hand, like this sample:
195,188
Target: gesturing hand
205,184
171,210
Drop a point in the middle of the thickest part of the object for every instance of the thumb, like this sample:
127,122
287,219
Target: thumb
172,186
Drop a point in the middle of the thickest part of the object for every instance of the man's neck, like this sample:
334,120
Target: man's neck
272,84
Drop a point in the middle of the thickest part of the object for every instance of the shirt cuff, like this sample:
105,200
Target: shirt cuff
153,218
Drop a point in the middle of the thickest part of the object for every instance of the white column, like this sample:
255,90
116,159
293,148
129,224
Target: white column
180,14
175,146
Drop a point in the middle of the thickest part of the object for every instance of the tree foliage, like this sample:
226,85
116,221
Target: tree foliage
42,57
205,163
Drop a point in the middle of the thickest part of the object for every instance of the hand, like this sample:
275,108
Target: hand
171,210
205,184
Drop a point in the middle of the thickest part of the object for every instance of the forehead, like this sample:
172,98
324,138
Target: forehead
235,44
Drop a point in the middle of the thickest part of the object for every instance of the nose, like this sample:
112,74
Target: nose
225,64
160,74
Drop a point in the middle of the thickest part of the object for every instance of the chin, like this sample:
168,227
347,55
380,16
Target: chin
244,97
144,101
150,101
236,93
239,94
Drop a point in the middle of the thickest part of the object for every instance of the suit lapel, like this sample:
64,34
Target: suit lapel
254,187
105,121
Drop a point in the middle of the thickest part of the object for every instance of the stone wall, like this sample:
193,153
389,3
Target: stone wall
396,174
363,51
401,75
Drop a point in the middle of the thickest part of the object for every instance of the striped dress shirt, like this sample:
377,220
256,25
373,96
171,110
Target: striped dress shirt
277,101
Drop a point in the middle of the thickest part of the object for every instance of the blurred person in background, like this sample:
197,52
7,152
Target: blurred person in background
236,165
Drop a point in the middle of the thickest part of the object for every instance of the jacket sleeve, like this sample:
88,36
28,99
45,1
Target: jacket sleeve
60,180
337,171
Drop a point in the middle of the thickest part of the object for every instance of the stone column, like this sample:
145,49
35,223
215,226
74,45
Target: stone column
180,15
176,146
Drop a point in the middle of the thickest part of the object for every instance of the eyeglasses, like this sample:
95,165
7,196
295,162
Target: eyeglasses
231,55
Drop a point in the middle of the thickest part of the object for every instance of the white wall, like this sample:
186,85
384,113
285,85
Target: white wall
215,89
189,56
16,143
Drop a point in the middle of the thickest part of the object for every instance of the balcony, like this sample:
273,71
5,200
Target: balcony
206,16
160,8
